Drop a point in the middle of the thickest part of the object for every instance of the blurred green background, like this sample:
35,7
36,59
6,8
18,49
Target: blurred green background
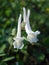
39,20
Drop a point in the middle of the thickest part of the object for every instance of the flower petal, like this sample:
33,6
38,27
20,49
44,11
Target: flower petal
19,27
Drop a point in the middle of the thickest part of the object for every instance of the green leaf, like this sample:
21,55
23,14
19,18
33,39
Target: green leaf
10,40
8,58
2,63
41,57
13,31
2,54
2,48
8,12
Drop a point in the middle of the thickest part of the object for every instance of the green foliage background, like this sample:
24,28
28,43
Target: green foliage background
39,20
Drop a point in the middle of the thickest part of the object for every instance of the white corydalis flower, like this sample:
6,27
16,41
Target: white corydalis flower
31,35
18,40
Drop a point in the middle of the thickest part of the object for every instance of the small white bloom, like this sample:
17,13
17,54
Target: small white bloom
18,43
31,35
18,40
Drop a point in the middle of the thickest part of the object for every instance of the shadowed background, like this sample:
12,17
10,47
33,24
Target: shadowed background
39,20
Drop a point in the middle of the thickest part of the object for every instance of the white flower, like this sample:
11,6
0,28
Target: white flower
31,35
18,40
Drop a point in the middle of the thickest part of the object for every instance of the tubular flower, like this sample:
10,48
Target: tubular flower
18,40
31,35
